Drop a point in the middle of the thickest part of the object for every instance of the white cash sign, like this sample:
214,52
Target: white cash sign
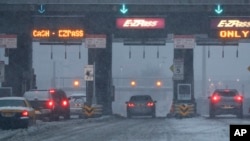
89,73
8,41
184,42
95,41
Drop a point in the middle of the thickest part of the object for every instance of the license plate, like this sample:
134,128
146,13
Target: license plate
227,107
8,114
37,112
77,105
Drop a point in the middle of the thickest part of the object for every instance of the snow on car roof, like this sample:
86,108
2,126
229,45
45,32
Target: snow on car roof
14,108
12,98
78,94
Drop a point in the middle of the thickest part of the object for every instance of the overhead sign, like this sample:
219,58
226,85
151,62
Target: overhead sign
95,41
178,69
184,41
60,33
41,9
231,28
8,41
124,10
89,73
2,71
140,23
218,9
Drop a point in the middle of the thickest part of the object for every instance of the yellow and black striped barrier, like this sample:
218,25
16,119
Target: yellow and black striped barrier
94,110
184,109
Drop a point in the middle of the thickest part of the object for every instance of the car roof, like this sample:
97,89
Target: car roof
12,98
78,94
225,90
141,96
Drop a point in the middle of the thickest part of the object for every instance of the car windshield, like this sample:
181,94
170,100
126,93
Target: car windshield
226,93
18,103
37,95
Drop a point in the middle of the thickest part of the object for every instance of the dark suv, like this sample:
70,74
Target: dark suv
226,101
49,104
140,105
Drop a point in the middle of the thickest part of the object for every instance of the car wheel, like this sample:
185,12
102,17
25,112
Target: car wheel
25,125
67,116
32,121
81,116
53,117
153,115
211,113
240,113
129,115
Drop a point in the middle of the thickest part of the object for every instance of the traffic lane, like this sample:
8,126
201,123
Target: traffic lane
135,129
203,106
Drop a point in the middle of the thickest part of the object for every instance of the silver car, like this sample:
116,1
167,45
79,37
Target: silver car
76,102
226,101
141,105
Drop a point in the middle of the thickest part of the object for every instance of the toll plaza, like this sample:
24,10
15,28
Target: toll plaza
185,24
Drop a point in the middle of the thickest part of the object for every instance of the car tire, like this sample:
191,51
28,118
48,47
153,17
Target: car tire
129,115
53,117
211,113
240,113
67,116
25,125
32,121
153,115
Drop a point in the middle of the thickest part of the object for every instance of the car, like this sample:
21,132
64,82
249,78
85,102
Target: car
76,102
16,112
141,105
226,101
49,104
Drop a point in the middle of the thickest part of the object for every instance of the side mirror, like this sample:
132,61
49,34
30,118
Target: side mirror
155,101
126,102
209,97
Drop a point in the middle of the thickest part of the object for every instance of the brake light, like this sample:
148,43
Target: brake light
130,104
25,113
51,91
215,98
150,104
238,98
65,103
50,103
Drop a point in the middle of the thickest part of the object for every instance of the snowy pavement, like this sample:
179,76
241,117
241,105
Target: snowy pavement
110,128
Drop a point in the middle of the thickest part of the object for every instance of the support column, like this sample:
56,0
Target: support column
102,58
18,72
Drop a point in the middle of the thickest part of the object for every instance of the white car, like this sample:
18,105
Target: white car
76,102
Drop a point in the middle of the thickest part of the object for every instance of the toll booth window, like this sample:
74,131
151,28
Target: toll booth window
184,92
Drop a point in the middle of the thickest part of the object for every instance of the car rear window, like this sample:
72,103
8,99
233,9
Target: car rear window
140,98
37,95
227,93
18,103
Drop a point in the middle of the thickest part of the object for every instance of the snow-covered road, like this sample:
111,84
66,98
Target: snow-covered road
112,128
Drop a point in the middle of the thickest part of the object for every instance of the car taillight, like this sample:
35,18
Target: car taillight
150,104
130,104
215,98
65,103
50,103
52,91
25,113
238,98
